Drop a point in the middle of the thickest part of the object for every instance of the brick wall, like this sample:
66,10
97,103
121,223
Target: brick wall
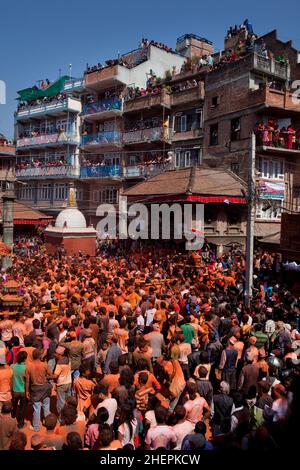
72,246
286,49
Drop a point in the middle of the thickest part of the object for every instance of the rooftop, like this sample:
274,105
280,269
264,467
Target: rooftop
191,181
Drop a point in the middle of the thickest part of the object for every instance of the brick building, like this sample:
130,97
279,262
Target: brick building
238,95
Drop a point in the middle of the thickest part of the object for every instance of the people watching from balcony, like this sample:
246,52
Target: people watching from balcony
145,124
186,85
37,131
90,99
45,83
271,135
36,163
136,92
46,100
143,161
4,141
126,61
145,43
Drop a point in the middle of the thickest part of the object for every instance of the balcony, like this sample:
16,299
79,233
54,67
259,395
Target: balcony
155,134
64,171
188,96
270,67
75,84
107,77
108,139
103,109
275,99
146,171
101,171
281,143
55,108
7,150
272,149
162,99
48,140
188,135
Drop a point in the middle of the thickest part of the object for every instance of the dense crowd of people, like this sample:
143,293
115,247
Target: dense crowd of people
25,164
271,135
142,161
143,348
37,132
46,100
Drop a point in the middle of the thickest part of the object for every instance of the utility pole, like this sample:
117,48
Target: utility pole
250,221
8,199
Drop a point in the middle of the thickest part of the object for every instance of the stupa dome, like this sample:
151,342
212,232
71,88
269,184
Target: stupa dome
70,218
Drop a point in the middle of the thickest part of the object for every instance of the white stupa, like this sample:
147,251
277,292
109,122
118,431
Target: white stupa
71,232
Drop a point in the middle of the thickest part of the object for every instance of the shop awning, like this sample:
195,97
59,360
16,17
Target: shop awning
31,222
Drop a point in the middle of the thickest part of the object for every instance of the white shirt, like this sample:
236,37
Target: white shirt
140,321
111,405
150,315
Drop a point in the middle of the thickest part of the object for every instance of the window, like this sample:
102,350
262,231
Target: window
213,134
234,216
44,192
235,129
183,158
270,210
105,195
61,192
210,214
197,119
271,168
79,194
215,101
64,124
26,193
183,122
235,168
112,159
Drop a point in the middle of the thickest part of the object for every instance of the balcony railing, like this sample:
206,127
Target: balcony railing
105,171
274,98
46,139
103,106
56,106
149,101
64,171
191,94
271,67
76,84
155,134
109,75
147,170
102,138
191,134
7,149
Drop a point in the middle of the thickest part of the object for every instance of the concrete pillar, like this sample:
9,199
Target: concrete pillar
8,199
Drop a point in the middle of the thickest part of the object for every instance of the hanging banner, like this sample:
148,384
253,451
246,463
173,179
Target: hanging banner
270,190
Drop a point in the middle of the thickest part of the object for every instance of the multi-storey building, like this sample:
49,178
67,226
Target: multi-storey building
7,163
252,94
124,128
155,109
47,132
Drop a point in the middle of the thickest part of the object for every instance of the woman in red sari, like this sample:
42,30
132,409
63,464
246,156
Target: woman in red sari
290,136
